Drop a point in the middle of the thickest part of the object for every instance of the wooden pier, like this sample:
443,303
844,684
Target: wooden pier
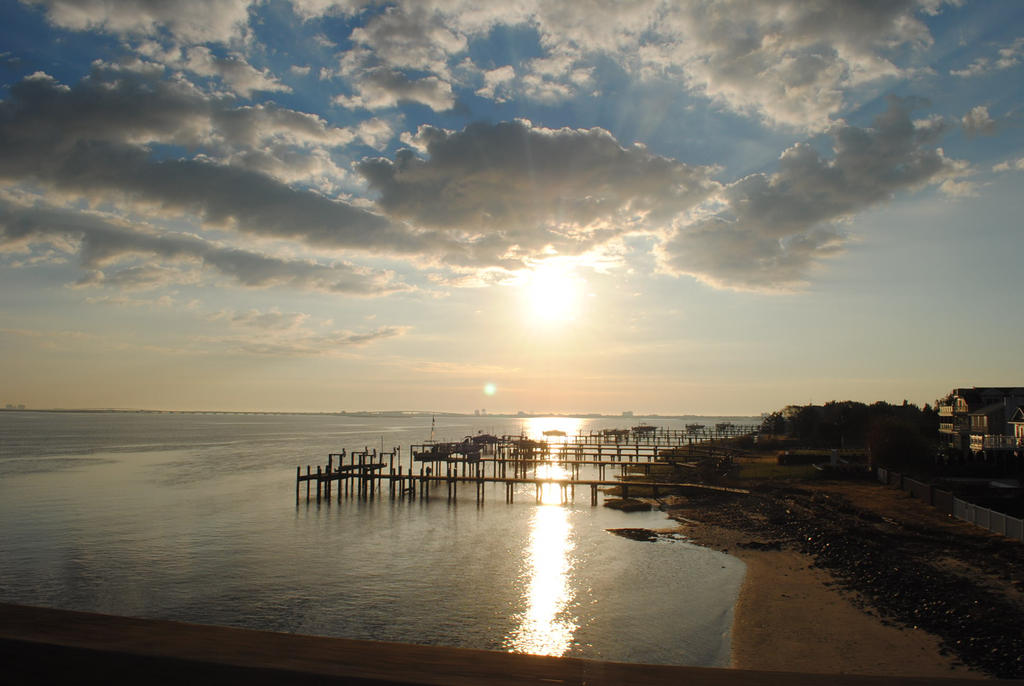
515,461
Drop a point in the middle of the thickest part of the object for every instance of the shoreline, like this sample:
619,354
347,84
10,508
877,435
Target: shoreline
788,618
791,616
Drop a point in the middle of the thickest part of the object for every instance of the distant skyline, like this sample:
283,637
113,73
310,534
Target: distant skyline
711,208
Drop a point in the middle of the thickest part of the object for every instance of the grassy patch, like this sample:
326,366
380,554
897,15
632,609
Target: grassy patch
768,469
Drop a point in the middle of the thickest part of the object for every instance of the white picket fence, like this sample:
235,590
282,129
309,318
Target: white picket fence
996,522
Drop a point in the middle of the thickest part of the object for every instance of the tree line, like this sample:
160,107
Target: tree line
896,436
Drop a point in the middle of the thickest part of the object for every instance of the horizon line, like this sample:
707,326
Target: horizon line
417,413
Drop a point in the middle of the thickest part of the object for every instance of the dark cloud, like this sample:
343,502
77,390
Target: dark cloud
511,185
89,140
103,247
774,228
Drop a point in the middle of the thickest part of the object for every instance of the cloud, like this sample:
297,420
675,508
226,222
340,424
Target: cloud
240,76
978,122
1016,165
410,37
287,334
163,301
959,189
789,62
87,140
117,255
272,319
1007,56
186,21
375,132
391,46
768,231
301,342
232,70
133,103
309,9
494,82
138,277
382,87
512,187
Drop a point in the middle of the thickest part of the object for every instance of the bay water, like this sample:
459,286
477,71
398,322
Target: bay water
192,517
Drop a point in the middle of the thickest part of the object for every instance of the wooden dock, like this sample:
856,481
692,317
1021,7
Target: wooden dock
514,462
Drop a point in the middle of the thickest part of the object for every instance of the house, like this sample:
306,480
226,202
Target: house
983,422
1017,421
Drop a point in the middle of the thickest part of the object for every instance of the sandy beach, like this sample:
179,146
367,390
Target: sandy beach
796,614
792,617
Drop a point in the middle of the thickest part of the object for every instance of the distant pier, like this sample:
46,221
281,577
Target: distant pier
434,468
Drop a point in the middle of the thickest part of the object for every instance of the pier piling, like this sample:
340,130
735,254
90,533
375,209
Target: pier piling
516,460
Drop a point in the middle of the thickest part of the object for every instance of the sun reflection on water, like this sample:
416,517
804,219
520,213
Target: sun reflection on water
546,626
535,428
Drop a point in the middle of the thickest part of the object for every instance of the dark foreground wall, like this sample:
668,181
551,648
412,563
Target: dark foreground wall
45,646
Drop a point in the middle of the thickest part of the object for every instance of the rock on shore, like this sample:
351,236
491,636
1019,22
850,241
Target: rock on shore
956,582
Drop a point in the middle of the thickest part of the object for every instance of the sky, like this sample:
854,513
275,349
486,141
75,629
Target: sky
718,207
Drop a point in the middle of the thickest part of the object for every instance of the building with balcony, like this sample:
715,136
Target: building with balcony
983,422
1017,422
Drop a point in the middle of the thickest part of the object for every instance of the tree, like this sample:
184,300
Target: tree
897,442
773,423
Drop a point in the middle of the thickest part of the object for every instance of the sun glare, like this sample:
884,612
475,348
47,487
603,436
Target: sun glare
552,293
547,625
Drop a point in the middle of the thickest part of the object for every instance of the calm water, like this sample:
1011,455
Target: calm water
193,517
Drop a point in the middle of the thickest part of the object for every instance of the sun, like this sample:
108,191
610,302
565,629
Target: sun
551,292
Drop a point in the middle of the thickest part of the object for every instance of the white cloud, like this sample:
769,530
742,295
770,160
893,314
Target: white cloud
787,62
959,189
187,21
1015,165
410,37
375,132
1007,56
240,76
309,9
379,88
494,80
978,121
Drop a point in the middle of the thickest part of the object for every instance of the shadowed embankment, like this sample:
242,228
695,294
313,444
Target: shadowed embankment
40,645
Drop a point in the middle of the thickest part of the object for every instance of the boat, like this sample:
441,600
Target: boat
554,432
